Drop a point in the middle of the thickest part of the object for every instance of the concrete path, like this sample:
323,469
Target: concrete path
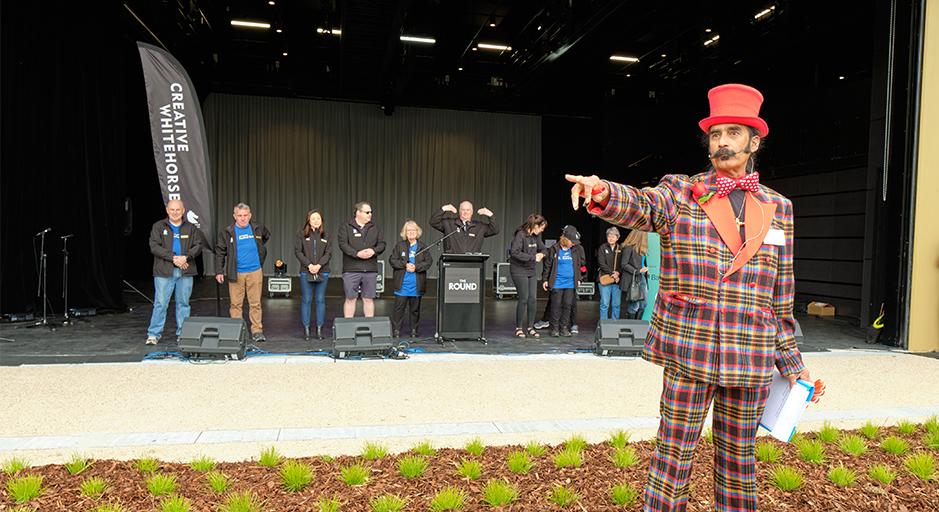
308,406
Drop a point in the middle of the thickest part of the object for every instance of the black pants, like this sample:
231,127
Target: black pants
413,307
547,310
527,289
562,314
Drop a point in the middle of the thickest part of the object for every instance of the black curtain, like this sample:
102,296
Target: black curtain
69,143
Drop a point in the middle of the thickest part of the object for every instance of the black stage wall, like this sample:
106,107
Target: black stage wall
67,149
284,156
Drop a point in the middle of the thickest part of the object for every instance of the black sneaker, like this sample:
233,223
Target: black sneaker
566,333
259,337
575,330
554,333
541,324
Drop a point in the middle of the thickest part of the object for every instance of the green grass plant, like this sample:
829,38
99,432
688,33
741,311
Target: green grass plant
295,475
499,493
870,430
575,442
77,464
767,451
922,465
425,449
895,446
828,433
387,503
907,427
13,466
568,458
412,467
160,484
811,451
448,498
217,481
842,476
471,469
619,439
475,447
93,487
786,478
147,465
624,495
519,462
374,451
202,464
23,489
175,503
245,501
355,474
563,496
624,457
536,449
882,473
332,504
269,458
853,445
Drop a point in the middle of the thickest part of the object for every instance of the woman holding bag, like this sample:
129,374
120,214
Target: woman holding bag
312,249
608,266
633,277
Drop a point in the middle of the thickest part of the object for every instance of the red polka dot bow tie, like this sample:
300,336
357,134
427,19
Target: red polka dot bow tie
749,182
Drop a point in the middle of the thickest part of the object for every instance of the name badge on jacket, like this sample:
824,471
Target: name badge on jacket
775,237
357,234
472,234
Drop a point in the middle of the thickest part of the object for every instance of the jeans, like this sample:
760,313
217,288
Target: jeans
527,289
163,288
307,290
610,296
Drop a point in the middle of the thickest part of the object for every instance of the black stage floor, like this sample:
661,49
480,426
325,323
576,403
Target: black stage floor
120,337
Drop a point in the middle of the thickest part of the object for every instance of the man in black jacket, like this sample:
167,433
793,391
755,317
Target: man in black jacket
239,257
175,244
361,241
470,233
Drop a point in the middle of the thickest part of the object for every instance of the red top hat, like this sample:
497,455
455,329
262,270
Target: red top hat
735,103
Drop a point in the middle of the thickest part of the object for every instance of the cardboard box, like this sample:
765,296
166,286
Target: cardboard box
821,309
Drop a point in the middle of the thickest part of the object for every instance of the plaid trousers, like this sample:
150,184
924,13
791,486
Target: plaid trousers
683,408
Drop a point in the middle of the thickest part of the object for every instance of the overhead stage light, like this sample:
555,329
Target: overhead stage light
764,13
284,54
712,40
497,47
279,31
623,58
332,31
413,39
250,24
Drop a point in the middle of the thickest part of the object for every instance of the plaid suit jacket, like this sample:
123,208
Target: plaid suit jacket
723,314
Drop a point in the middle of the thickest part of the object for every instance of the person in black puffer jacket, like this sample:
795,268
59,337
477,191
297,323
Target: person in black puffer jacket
313,251
526,251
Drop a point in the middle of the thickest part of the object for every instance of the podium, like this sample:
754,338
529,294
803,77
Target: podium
461,297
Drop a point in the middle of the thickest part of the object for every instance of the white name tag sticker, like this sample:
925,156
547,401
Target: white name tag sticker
357,234
775,237
472,234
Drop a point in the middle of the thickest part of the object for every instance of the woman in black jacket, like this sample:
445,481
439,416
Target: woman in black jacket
526,250
635,270
410,276
313,250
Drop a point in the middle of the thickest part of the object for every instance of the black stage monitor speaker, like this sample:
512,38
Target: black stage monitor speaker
213,336
362,336
621,337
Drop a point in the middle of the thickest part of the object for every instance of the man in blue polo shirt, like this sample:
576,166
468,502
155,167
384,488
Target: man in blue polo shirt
174,243
239,255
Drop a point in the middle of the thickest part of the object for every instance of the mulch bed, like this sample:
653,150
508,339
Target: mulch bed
592,481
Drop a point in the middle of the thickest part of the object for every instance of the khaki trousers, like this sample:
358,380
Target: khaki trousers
250,284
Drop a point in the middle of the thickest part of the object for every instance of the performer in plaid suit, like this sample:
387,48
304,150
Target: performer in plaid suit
723,316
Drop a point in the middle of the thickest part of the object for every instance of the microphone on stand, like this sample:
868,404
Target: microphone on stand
43,232
70,235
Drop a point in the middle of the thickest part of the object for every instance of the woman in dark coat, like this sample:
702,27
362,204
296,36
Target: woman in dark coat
634,269
410,276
